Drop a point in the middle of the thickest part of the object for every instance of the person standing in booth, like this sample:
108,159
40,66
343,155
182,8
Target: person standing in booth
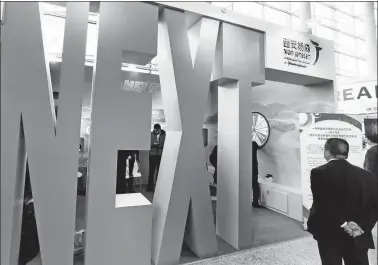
214,161
131,156
255,177
371,157
156,151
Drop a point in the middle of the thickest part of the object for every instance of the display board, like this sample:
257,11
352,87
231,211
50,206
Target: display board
315,129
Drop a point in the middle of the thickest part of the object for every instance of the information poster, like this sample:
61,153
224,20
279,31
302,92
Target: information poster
315,129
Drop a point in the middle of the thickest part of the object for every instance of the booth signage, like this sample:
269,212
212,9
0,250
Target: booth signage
158,115
137,86
300,54
358,97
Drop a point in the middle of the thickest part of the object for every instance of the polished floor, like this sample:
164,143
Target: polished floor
268,227
277,240
302,251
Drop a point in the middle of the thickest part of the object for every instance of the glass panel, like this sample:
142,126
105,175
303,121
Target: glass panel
295,22
337,60
333,4
1,10
92,39
222,4
280,5
347,63
362,67
294,7
358,8
360,48
275,16
346,42
50,8
345,6
344,22
324,15
313,7
321,10
53,34
324,32
249,8
359,27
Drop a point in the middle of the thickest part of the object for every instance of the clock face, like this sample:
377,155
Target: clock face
260,129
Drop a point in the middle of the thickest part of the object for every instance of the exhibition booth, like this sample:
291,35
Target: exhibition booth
223,80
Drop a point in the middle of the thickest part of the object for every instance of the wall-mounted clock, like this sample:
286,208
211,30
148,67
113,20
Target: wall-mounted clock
260,129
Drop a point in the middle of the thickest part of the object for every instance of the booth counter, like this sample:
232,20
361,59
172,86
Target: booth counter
280,198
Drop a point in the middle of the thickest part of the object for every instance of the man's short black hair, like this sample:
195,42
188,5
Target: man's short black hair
337,147
157,126
371,131
255,145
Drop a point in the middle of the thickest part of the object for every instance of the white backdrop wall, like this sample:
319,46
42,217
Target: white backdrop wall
280,103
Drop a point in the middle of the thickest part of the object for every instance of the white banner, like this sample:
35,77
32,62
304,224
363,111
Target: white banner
358,98
315,129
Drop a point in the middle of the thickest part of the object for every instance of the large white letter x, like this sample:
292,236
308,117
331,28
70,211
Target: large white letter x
181,183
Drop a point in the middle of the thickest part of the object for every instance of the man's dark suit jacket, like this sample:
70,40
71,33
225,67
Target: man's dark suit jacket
343,192
255,163
371,160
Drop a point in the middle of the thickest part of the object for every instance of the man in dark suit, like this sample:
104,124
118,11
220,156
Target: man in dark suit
371,157
156,152
344,209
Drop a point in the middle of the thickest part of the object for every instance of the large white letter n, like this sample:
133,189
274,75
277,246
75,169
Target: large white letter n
28,126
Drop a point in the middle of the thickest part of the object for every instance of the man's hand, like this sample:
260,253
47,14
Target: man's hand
353,229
